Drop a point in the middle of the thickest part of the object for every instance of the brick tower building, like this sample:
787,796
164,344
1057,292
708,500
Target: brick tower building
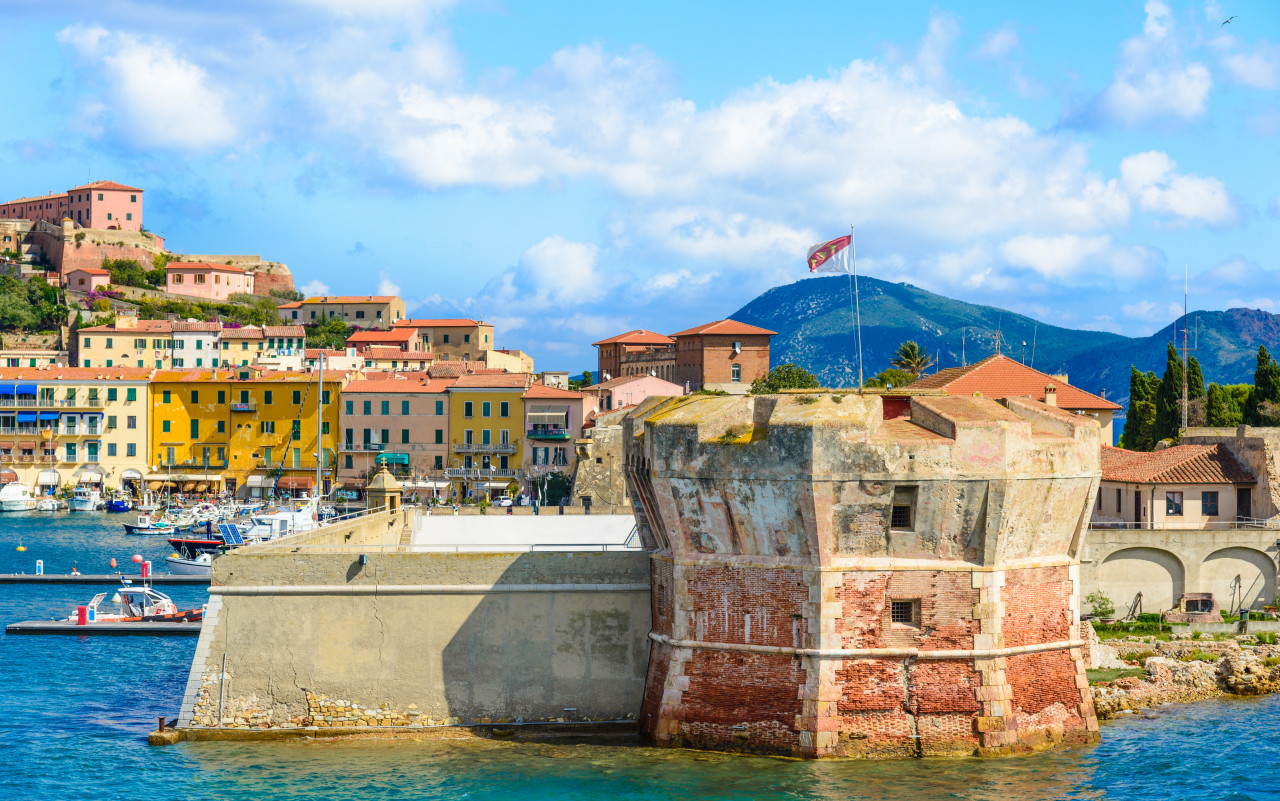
828,582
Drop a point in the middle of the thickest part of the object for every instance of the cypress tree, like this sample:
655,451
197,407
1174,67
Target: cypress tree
1168,400
1195,380
1218,411
1139,422
1266,387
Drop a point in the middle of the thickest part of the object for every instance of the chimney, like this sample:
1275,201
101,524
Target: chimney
1051,394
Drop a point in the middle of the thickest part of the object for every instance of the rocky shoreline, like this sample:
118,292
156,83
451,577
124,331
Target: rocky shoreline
1181,671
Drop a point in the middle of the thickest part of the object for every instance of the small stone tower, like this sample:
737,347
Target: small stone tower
829,582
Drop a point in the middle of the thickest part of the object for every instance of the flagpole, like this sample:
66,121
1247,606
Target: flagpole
855,303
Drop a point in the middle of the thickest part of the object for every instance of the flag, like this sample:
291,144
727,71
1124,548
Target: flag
831,257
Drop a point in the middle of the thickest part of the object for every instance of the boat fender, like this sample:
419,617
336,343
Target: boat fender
113,562
313,517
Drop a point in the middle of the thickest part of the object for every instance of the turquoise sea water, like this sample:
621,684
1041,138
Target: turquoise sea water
75,712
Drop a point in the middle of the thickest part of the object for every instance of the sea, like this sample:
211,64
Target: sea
75,713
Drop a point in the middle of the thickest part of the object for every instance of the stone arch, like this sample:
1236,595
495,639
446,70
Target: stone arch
1154,572
1257,574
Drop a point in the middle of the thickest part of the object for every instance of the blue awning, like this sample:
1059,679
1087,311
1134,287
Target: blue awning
24,389
26,417
48,415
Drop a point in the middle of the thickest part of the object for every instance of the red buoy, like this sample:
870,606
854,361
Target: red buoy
113,561
137,557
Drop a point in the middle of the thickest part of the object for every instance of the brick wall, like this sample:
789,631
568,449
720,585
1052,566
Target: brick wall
704,360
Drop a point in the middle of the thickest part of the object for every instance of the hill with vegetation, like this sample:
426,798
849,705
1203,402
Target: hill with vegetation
815,330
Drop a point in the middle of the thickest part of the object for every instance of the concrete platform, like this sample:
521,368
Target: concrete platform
500,533
109,629
158,579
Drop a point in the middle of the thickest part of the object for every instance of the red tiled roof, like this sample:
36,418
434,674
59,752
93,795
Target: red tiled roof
143,327
728,327
613,383
284,331
89,270
540,390
293,305
396,385
637,337
459,322
244,332
383,336
106,185
385,352
1001,377
496,381
204,265
53,373
351,299
189,326
313,353
206,374
1181,464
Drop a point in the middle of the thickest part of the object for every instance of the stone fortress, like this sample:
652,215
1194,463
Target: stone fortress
812,575
828,582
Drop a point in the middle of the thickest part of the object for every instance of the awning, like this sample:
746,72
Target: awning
258,481
8,476
48,478
24,389
547,415
188,486
27,417
201,486
392,458
155,485
130,475
91,478
48,415
6,446
296,482
427,485
26,446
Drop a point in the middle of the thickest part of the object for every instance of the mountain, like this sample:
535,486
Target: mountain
815,330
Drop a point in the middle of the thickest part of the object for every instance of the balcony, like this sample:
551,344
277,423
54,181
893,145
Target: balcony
23,402
364,446
557,434
73,403
194,464
250,406
479,447
479,473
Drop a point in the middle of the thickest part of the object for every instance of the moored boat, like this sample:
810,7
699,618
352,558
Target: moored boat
16,497
119,504
200,564
85,498
147,525
132,604
48,503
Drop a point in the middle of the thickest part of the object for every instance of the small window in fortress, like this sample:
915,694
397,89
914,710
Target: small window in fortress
905,612
1173,504
904,508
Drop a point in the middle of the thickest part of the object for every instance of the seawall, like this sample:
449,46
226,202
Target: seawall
357,630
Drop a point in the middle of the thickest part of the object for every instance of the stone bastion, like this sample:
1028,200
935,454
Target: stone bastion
831,583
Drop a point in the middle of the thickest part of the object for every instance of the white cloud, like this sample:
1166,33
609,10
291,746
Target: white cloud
1151,179
155,98
386,286
1054,256
314,287
935,47
1259,69
1152,312
553,273
1000,43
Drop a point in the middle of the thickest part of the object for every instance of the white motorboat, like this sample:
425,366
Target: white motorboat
16,497
201,565
147,525
48,503
132,604
280,523
85,498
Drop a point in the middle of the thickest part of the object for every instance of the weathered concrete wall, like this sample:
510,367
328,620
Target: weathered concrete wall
320,639
1162,564
779,564
1257,449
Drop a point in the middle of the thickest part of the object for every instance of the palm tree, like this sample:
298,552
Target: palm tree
912,359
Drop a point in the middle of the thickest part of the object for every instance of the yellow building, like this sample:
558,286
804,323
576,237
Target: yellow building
452,339
486,434
72,425
244,430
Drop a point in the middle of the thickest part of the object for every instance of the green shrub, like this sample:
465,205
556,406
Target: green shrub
1266,638
1199,656
1137,656
1195,635
1149,617
1102,606
1271,661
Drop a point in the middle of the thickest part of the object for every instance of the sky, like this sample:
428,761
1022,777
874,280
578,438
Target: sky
571,171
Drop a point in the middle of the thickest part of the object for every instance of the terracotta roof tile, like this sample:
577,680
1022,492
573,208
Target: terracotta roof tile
638,337
386,352
1181,464
542,391
397,385
495,381
351,299
1001,377
402,335
459,322
727,327
142,327
107,185
204,265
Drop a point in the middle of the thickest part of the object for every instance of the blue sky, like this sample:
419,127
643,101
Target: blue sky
570,171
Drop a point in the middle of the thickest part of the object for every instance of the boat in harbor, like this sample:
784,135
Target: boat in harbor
48,503
200,564
145,524
130,604
85,498
119,504
16,497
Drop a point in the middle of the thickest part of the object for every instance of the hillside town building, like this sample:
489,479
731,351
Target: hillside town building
87,279
359,311
207,281
618,393
1001,377
722,356
452,339
98,204
398,422
638,352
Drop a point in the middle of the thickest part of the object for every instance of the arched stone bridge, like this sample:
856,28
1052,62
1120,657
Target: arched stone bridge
1164,564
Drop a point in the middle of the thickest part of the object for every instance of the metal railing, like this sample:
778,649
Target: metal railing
12,403
548,433
1178,525
479,473
364,446
193,464
484,447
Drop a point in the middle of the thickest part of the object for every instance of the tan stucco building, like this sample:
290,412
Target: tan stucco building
401,422
453,339
359,311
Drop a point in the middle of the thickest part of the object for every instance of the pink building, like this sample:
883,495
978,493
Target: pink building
100,204
197,279
87,279
553,419
628,390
